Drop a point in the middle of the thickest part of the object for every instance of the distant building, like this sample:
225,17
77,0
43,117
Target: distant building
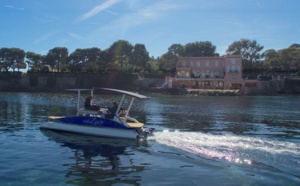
210,73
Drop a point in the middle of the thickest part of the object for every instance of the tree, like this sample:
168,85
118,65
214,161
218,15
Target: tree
92,56
271,60
12,58
140,56
34,61
104,61
270,54
152,65
295,45
120,52
290,58
19,57
76,61
90,59
249,50
176,50
57,58
285,59
199,49
167,62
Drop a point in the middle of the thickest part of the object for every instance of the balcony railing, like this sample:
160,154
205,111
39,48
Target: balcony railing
233,71
200,77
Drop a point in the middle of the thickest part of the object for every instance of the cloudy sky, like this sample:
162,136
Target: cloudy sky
40,25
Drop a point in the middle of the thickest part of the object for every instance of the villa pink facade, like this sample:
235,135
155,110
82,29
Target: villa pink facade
211,73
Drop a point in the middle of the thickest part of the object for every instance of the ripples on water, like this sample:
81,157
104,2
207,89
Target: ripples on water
242,140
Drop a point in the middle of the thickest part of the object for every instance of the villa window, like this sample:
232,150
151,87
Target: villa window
203,73
217,74
233,69
183,63
207,74
233,61
221,74
198,64
216,63
207,63
192,64
183,74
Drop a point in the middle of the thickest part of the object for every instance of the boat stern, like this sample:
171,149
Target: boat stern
145,132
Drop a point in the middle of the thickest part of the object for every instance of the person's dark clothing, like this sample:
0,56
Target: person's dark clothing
88,106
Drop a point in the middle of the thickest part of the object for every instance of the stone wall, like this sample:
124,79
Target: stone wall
54,82
267,88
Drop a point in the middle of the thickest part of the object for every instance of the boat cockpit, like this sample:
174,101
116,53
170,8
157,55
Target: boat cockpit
122,116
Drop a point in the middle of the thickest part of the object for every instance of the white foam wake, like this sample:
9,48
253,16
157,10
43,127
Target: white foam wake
239,149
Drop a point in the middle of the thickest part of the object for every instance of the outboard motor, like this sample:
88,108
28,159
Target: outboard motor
145,132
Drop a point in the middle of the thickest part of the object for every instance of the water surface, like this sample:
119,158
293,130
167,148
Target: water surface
198,141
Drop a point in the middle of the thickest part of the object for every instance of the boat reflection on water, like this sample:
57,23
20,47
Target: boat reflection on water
100,160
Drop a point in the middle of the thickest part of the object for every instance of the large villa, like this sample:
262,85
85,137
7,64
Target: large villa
211,73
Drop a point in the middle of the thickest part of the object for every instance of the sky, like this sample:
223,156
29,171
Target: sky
40,25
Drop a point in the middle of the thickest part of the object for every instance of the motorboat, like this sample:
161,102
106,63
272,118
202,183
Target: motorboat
102,122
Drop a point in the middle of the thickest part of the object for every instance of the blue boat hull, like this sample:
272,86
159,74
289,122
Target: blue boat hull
94,126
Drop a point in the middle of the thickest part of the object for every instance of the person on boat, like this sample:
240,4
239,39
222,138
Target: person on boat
88,104
114,109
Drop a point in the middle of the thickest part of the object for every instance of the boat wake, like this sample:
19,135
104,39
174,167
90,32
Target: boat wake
235,149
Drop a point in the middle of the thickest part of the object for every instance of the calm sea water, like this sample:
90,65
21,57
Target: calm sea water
197,141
